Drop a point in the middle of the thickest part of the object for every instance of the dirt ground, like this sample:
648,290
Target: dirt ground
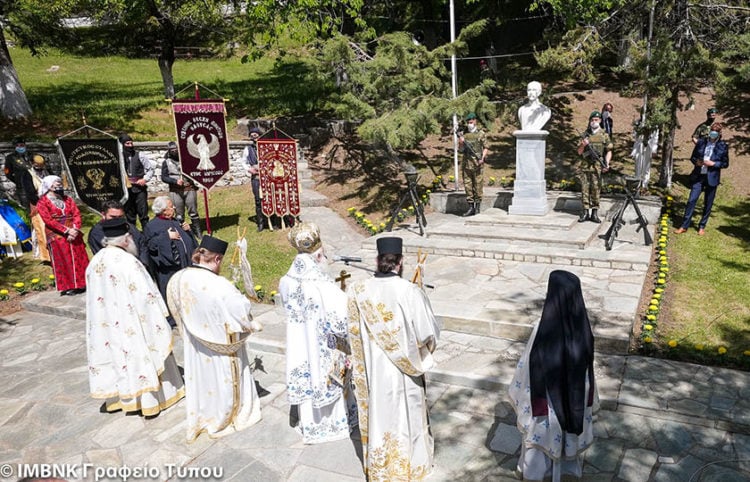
350,181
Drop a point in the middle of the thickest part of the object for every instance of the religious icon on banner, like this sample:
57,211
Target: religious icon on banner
277,166
202,139
96,170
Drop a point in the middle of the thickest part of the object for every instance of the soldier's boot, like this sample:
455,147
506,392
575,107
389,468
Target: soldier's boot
594,218
584,216
477,205
472,210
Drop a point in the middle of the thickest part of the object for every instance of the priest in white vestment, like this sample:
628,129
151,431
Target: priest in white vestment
553,391
317,317
214,319
392,333
128,339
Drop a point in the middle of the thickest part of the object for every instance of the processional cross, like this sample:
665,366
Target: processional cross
343,276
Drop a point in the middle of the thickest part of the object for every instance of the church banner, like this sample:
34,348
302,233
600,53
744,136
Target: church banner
277,166
96,170
202,140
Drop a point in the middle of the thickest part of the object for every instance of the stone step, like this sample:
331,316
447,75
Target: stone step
311,198
635,257
487,228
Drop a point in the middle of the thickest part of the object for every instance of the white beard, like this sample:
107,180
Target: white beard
131,248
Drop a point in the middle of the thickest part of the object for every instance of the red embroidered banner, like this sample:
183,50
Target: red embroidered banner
279,186
202,139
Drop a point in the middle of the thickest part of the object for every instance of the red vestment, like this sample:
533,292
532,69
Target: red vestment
69,259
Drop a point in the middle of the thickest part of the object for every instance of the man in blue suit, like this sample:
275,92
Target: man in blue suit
710,156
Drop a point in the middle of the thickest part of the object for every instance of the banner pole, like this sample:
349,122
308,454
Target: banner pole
205,203
205,191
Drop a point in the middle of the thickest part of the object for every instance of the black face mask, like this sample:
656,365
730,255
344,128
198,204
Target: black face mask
60,192
172,155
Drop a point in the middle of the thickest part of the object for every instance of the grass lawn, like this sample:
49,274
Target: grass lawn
706,297
709,282
117,94
269,252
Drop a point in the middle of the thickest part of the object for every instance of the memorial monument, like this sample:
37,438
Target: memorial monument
530,188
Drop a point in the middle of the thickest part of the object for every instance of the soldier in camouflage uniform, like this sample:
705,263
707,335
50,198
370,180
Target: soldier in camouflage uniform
701,132
596,149
473,144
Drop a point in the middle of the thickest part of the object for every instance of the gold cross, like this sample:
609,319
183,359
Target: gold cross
343,276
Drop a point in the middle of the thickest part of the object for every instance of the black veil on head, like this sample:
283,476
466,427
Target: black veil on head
563,352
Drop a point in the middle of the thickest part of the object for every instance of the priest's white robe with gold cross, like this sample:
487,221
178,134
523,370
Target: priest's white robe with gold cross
128,339
393,333
220,393
316,310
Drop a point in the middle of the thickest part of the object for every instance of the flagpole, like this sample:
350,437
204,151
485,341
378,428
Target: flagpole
454,89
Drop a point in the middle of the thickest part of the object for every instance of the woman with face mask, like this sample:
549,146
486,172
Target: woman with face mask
709,157
62,220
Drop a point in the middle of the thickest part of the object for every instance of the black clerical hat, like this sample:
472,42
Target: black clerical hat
215,245
115,227
391,245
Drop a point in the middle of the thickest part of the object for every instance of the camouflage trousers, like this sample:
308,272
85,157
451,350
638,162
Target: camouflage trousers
473,180
591,187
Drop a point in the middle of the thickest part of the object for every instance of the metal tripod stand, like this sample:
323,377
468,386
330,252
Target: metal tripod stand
410,195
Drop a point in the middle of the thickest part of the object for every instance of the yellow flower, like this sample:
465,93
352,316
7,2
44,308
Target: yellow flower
351,209
428,191
651,317
672,343
663,262
657,296
660,281
51,276
451,178
257,287
648,327
647,339
492,178
382,225
662,245
662,252
722,350
659,290
3,292
35,281
655,302
19,284
699,346
669,198
746,352
662,238
273,293
652,307
664,269
440,177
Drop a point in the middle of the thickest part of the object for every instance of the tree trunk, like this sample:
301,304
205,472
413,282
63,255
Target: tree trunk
13,102
667,159
165,67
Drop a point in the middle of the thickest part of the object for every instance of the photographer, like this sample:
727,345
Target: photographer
596,150
473,145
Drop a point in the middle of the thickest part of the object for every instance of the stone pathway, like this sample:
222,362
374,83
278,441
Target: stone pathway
660,420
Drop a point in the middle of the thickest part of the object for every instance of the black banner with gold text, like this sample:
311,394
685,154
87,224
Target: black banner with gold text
95,169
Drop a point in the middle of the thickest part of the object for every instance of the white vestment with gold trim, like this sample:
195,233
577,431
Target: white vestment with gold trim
392,333
220,392
129,342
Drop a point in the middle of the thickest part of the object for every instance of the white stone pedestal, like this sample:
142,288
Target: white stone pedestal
530,188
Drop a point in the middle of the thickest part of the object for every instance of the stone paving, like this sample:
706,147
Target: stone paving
660,420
